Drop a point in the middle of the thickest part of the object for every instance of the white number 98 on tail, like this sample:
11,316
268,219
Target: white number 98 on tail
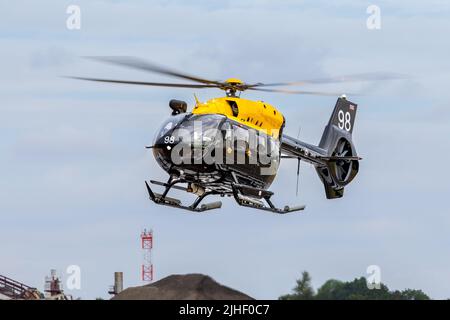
344,115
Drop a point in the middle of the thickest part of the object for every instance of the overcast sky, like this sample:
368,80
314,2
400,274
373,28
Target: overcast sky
73,162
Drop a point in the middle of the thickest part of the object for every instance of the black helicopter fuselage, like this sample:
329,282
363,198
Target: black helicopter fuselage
213,151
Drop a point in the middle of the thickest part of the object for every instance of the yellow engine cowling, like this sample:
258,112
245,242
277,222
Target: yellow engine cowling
255,114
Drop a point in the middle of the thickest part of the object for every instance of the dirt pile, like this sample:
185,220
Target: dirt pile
182,287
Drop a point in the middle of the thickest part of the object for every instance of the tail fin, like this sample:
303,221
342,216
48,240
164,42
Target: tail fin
341,123
342,166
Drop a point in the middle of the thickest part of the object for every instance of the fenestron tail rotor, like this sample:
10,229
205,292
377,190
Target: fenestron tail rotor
232,85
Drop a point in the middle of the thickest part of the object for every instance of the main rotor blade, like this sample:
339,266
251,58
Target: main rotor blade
143,83
316,93
140,64
374,76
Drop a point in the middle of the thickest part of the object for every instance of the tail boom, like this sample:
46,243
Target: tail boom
335,157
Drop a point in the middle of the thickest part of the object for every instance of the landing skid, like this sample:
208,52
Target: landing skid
163,199
244,195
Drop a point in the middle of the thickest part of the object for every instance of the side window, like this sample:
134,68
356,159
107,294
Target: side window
241,138
252,141
227,131
263,145
274,147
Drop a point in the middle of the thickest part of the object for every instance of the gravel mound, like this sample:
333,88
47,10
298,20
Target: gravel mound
182,287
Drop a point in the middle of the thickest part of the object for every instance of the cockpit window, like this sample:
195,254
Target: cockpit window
171,123
200,129
168,125
204,121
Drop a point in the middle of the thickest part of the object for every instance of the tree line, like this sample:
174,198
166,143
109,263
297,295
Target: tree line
348,290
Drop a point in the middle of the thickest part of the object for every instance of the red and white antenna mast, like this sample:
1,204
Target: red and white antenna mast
147,264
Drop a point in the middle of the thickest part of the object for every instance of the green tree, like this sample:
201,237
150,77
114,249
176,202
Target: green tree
358,290
350,290
330,290
302,291
411,294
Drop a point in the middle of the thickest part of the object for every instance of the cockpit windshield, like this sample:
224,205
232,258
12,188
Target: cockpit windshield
200,130
168,125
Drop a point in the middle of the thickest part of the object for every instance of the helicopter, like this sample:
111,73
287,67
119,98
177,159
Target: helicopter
231,146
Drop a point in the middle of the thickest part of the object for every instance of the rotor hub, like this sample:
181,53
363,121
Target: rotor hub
234,81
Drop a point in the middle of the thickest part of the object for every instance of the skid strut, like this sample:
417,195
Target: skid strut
253,198
163,199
